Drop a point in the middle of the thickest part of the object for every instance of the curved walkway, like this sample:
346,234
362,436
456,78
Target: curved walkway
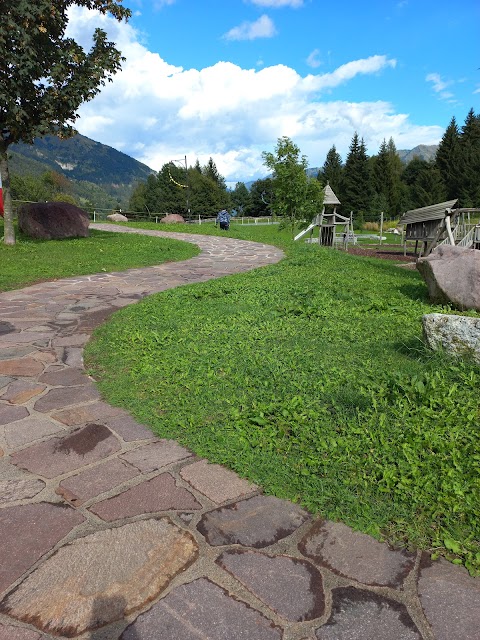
108,532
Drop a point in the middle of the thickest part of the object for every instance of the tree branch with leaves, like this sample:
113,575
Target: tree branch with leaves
297,198
45,76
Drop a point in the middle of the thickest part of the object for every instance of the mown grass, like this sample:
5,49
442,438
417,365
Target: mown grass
310,378
30,261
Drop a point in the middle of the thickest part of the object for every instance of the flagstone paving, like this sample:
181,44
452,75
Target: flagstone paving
108,532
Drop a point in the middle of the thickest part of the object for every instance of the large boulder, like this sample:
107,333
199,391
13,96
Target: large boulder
53,220
458,335
117,217
172,217
452,275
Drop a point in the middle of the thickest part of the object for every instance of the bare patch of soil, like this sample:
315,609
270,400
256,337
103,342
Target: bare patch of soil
383,252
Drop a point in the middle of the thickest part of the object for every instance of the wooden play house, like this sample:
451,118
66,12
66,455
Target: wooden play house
333,228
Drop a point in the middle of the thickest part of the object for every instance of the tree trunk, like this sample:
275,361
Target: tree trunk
9,231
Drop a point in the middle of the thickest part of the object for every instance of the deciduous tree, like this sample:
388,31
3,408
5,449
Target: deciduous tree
45,76
297,197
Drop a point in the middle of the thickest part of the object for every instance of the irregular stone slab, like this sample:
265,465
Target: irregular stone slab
451,600
22,391
9,632
355,555
59,455
10,413
68,377
21,367
362,614
77,340
4,380
156,455
45,356
73,357
64,396
128,429
458,335
292,588
26,337
11,353
92,482
94,412
102,578
257,522
158,494
6,327
203,610
216,482
27,532
19,489
28,430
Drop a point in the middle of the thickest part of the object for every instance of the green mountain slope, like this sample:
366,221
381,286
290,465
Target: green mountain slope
98,173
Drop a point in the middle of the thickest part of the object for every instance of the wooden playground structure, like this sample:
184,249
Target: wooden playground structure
333,229
440,224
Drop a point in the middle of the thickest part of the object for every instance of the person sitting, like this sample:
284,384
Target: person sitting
223,219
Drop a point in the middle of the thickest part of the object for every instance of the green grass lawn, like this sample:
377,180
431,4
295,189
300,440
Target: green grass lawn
30,261
310,378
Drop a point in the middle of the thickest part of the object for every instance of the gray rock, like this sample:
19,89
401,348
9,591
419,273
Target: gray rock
452,275
117,217
459,335
53,220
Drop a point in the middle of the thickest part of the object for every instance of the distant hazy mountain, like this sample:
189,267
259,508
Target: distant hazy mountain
93,168
422,151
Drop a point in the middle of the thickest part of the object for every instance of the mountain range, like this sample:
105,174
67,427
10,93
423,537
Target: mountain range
105,176
98,173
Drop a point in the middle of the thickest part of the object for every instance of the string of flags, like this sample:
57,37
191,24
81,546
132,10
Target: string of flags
184,186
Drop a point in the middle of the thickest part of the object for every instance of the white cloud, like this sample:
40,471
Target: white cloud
261,28
276,4
313,59
155,111
438,84
477,90
159,4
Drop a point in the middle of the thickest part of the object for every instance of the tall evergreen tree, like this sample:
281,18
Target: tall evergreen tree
470,161
332,170
356,190
448,160
210,171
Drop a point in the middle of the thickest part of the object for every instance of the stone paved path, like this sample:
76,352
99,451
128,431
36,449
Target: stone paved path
109,533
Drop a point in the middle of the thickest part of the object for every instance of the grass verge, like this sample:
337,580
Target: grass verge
30,261
310,378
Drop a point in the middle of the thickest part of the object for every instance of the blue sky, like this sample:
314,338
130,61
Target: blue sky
226,78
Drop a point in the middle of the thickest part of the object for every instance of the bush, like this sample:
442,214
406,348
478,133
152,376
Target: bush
371,226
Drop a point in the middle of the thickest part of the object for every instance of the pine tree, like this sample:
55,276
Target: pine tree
356,190
332,170
470,161
447,160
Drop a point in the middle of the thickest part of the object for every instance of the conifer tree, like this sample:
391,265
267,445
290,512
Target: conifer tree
356,184
470,161
332,170
448,160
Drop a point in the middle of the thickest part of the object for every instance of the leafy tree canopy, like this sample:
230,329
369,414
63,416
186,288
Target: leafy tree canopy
45,76
297,197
